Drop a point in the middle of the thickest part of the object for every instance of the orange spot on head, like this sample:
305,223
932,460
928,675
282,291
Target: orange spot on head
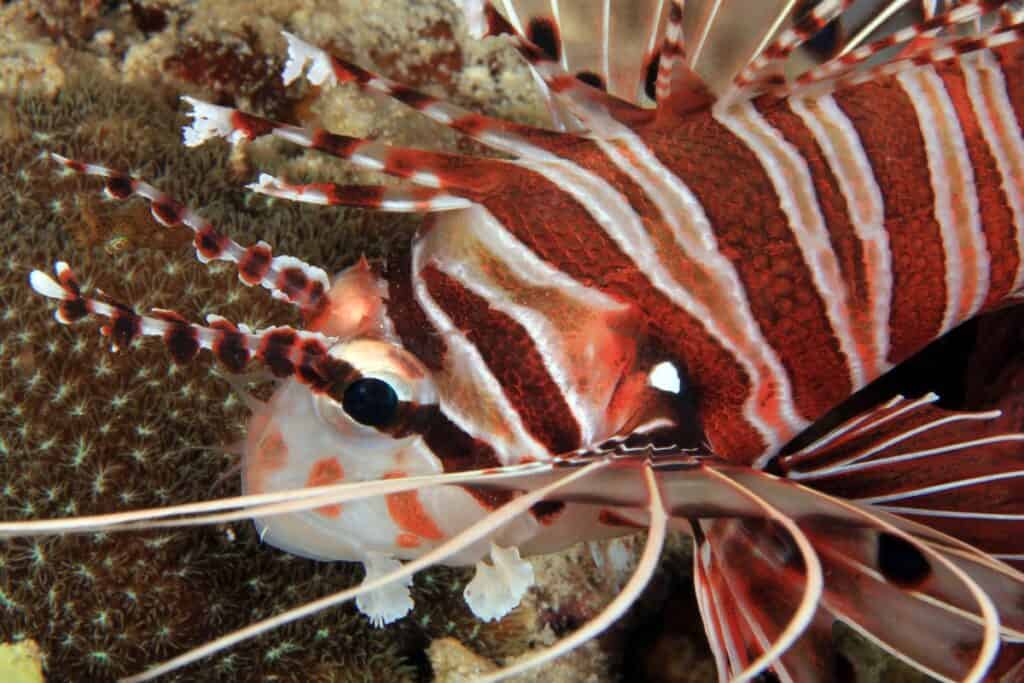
326,471
407,540
407,512
271,451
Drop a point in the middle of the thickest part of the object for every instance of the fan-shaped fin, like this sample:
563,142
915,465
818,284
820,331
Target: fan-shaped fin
746,592
958,472
943,601
926,41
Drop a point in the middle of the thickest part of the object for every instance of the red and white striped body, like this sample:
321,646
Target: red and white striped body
780,254
624,323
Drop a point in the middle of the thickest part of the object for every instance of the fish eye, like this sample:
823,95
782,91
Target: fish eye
370,401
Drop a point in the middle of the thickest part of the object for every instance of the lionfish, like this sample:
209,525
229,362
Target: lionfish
622,321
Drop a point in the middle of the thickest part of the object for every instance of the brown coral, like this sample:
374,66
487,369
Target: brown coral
84,430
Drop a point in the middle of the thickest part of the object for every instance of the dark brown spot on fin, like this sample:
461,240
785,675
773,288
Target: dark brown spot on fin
72,310
119,187
255,264
276,352
547,511
900,561
231,350
543,33
167,212
126,326
651,76
591,79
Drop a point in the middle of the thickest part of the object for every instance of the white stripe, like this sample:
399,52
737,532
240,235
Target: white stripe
952,181
939,488
606,41
618,219
557,16
792,181
994,112
547,339
846,157
464,365
856,426
692,231
927,453
954,514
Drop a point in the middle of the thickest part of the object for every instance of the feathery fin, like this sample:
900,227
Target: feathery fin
958,472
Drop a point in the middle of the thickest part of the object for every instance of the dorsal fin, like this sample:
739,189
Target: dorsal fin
594,39
598,57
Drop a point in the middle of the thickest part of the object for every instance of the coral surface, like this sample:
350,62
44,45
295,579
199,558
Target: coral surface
84,430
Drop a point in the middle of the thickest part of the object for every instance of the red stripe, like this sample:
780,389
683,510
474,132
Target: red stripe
512,357
1011,58
457,450
843,238
576,245
419,336
996,215
754,234
884,118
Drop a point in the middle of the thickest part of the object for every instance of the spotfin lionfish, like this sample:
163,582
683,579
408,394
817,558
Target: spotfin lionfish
741,214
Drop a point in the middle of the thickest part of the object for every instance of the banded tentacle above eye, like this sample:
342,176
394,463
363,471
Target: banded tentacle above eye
286,277
286,351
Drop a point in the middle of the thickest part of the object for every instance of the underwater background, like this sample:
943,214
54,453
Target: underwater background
85,431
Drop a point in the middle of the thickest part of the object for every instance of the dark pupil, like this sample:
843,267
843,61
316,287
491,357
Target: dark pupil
370,401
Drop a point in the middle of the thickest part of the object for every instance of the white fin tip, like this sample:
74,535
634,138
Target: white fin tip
46,285
496,591
388,603
301,53
209,121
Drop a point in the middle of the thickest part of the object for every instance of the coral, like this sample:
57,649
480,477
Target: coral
84,430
